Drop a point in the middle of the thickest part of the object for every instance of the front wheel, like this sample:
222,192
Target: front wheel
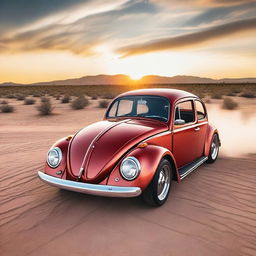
158,190
214,150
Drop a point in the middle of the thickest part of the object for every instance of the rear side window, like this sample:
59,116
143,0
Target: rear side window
185,111
124,107
200,110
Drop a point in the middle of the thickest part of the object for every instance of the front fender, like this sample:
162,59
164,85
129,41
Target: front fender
63,145
149,158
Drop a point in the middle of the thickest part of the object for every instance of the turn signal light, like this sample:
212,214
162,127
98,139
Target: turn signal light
142,145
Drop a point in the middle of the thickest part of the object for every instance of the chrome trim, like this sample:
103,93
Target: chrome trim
189,127
93,189
136,161
60,157
193,168
157,135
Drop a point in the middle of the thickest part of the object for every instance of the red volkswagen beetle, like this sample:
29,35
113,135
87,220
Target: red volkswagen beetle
148,138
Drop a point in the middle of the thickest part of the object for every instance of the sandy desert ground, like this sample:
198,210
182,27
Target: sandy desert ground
211,212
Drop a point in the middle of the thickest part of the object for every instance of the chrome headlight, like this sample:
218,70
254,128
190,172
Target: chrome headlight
130,168
54,157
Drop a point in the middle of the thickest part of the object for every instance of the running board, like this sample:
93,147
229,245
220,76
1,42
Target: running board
187,169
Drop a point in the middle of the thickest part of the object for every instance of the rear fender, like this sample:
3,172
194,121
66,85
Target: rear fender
149,158
210,132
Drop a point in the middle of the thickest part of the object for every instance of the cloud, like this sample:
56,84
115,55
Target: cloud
188,40
222,12
199,3
20,12
81,36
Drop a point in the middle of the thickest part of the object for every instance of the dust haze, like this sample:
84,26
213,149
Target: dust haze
237,130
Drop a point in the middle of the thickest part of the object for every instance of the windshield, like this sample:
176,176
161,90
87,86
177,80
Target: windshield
154,107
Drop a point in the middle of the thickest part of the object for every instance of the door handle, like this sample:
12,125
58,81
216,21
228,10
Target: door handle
197,129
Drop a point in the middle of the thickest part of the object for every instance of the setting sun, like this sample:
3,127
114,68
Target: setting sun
135,76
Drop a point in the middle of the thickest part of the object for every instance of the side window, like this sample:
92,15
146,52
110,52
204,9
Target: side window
200,110
142,107
185,111
112,112
125,107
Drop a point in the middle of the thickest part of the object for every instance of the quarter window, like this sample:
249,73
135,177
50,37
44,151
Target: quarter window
200,110
185,111
125,107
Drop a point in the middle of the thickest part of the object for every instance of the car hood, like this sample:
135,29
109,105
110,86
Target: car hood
98,147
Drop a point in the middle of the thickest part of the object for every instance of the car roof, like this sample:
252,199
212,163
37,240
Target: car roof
172,94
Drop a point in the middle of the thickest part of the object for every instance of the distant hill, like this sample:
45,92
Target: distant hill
150,79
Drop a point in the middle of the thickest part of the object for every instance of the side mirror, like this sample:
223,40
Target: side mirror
179,122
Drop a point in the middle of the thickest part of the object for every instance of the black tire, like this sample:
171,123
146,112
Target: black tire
151,194
213,154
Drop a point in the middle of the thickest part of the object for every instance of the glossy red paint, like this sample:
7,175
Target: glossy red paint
149,163
211,130
63,145
100,148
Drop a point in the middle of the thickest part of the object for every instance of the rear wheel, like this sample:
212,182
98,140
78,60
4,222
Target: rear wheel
158,190
214,150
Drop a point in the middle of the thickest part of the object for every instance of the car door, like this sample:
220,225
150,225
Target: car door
186,147
201,128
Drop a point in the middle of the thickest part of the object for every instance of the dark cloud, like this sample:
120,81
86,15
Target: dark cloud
189,40
81,36
15,13
201,3
219,13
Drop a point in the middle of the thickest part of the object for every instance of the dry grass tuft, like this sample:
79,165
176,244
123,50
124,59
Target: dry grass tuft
94,97
20,97
103,103
4,102
248,94
216,95
45,107
80,103
6,108
10,96
229,104
65,99
29,101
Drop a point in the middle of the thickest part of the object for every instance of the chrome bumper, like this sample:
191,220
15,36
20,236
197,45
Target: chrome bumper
93,189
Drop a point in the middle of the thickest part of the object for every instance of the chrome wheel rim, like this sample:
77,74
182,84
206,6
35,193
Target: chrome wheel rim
214,148
163,184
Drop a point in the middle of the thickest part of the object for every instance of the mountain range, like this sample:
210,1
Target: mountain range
149,79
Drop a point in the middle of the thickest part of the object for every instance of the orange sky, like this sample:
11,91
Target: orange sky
42,42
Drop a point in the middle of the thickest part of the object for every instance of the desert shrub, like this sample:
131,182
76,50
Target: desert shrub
45,107
10,96
6,108
208,101
79,103
36,95
20,97
216,95
45,99
103,103
108,96
4,102
65,99
230,93
248,94
229,104
236,90
94,97
57,97
29,101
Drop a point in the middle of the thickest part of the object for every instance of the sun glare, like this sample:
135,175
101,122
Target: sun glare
135,76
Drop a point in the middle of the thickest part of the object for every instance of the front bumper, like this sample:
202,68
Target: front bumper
93,189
